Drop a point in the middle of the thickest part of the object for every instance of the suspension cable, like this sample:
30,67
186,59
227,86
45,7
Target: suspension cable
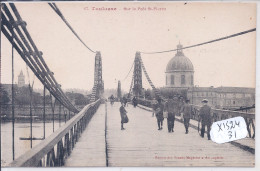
157,93
56,9
28,75
37,63
13,119
211,41
42,67
1,91
130,90
129,71
53,102
44,114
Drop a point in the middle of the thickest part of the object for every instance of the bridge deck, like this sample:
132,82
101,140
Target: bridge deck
141,144
90,149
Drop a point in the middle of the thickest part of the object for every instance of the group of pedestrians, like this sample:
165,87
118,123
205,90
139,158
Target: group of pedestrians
176,106
168,110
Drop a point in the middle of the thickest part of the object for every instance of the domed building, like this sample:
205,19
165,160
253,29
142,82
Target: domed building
180,81
179,71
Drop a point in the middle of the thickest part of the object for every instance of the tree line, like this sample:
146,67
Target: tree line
22,97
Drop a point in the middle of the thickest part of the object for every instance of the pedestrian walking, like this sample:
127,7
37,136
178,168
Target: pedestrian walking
171,106
205,115
154,106
135,101
187,113
124,118
124,101
180,105
112,99
159,113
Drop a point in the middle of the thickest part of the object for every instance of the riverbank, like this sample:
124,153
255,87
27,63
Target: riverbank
22,113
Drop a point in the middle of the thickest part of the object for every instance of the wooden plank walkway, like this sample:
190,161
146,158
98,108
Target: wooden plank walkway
246,142
141,144
90,149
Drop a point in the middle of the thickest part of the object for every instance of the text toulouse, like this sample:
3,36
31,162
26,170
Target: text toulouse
125,9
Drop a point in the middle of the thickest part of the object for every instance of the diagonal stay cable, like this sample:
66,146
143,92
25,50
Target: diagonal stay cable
211,41
130,90
39,60
157,93
32,56
21,51
129,72
56,9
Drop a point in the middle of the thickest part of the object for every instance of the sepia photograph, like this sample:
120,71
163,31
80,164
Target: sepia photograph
128,84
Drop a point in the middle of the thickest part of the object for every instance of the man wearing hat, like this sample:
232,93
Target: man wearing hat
159,113
205,118
154,105
187,113
171,106
180,105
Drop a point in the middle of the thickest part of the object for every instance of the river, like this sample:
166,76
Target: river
22,130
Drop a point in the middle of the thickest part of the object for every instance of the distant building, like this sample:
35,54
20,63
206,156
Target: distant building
21,79
223,97
8,87
180,76
179,71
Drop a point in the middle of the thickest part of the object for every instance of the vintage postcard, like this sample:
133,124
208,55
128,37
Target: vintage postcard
128,84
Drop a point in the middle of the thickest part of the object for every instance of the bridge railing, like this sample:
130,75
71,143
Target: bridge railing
217,115
58,146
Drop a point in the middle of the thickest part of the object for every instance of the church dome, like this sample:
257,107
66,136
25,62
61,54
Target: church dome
179,62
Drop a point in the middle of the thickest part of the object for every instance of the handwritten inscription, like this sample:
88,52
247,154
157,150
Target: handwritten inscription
229,125
228,130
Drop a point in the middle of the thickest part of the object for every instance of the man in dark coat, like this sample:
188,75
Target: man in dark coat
123,116
124,101
187,113
159,113
205,115
154,106
112,99
171,106
180,105
135,101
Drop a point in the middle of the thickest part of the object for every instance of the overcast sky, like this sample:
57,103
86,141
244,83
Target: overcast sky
119,34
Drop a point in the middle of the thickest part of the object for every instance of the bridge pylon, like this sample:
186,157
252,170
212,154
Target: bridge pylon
98,88
119,92
138,86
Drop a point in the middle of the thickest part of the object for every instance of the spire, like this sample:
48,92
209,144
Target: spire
179,49
21,73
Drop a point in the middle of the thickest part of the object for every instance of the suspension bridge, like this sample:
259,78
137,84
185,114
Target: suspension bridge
92,137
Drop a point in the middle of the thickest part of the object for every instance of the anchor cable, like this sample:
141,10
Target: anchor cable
211,41
57,10
128,72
